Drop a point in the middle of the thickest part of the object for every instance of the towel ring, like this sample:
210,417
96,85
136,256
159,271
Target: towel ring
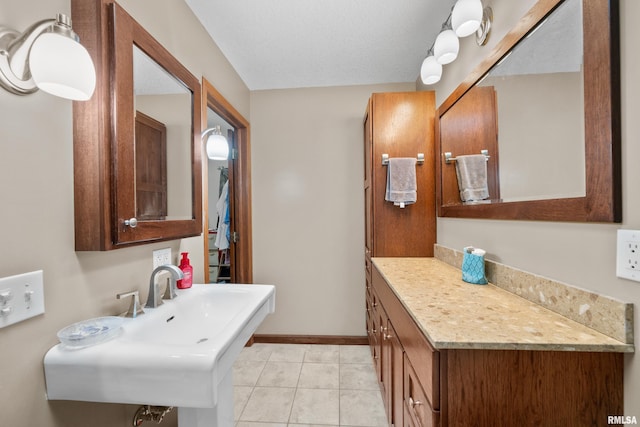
419,159
449,159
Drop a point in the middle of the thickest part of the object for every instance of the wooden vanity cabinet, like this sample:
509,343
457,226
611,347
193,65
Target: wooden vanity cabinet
422,386
414,394
388,358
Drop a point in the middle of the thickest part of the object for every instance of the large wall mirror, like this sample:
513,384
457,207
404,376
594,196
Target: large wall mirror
545,107
137,142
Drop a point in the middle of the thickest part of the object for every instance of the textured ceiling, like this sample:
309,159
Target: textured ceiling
275,44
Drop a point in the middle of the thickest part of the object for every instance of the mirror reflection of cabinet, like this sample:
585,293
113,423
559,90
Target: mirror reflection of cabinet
470,129
560,156
135,73
151,168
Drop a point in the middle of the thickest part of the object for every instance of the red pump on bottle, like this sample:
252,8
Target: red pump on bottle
187,271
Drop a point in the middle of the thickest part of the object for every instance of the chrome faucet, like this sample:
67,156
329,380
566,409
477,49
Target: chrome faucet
155,298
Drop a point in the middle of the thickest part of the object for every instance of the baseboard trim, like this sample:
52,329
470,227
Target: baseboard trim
311,339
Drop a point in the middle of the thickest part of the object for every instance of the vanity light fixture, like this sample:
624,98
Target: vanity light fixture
48,56
216,143
466,17
446,46
431,69
484,30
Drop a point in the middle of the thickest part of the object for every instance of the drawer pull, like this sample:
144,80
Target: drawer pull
414,403
387,336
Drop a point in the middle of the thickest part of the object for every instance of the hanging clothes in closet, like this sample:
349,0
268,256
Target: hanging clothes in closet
222,208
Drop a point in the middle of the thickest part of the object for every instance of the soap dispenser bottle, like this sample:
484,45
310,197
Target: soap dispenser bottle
187,271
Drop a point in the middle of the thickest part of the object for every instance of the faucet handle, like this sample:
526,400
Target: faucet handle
135,309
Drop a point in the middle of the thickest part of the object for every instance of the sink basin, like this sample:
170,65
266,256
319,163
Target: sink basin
179,354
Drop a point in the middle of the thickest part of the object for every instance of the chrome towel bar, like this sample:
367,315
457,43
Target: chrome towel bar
419,158
449,159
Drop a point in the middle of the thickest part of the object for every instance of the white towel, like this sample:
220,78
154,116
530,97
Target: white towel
402,189
222,206
472,177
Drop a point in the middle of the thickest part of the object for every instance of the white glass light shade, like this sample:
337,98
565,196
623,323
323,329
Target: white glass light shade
466,17
217,147
446,47
431,71
62,67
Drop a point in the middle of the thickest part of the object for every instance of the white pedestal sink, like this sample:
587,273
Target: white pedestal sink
179,354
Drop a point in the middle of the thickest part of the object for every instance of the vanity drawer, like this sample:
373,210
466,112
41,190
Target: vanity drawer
417,409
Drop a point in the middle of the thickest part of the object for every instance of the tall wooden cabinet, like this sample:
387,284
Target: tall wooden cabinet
399,125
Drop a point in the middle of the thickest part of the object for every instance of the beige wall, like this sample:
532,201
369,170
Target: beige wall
36,218
579,254
308,223
540,162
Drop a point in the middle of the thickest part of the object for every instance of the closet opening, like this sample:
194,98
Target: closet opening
227,195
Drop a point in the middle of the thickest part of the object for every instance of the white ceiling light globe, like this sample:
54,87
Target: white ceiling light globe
217,147
446,47
466,17
61,66
431,71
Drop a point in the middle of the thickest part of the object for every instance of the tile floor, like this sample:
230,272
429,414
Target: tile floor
292,384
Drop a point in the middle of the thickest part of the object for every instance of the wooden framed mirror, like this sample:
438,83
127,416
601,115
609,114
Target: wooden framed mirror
478,112
137,144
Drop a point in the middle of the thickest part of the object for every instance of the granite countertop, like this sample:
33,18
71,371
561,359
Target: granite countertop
454,314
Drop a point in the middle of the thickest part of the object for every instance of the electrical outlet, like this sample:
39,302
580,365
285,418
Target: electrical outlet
161,257
628,255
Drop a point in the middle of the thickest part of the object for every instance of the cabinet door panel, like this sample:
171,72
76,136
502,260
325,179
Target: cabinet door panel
400,125
421,354
416,401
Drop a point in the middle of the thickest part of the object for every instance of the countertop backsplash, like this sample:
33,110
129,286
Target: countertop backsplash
604,314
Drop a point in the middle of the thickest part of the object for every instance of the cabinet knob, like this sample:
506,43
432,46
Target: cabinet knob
414,403
387,336
133,222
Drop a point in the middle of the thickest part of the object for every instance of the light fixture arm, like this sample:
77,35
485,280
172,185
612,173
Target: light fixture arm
15,75
446,25
207,132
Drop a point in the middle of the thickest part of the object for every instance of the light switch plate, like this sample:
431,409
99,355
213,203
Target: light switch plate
628,255
161,257
21,297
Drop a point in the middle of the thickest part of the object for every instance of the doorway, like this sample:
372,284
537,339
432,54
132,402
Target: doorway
227,195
